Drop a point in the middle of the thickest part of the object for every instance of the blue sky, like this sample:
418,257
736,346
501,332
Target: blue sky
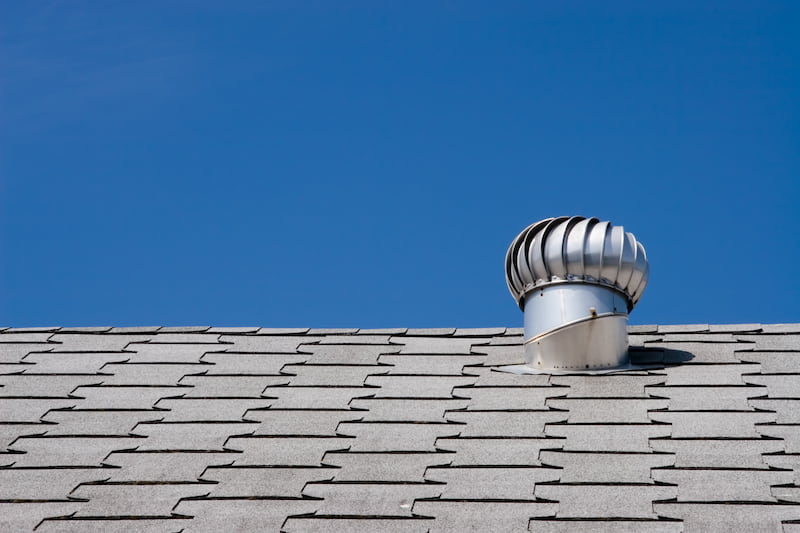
366,164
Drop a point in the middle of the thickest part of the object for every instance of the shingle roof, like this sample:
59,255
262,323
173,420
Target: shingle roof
245,429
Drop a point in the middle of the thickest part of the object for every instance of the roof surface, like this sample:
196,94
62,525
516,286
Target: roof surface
245,429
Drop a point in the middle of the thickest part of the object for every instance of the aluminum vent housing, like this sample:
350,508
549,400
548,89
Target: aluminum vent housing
576,279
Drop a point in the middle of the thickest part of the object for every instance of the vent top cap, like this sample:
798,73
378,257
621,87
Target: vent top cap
576,250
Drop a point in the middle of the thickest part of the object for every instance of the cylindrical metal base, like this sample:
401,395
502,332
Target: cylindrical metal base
576,327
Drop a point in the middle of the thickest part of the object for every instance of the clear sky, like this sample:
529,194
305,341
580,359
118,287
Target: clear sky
366,164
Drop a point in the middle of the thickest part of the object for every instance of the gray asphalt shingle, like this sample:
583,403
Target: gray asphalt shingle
501,451
504,423
599,467
405,410
119,422
718,452
377,499
66,451
417,386
285,451
586,500
54,386
384,466
697,485
475,516
300,421
442,365
246,515
134,499
242,482
252,429
346,354
190,436
164,466
779,362
501,398
397,436
325,524
725,517
221,386
608,437
332,375
490,483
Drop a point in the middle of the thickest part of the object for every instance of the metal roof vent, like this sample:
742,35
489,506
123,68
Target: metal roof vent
576,279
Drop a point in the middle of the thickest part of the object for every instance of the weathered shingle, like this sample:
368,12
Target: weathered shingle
711,374
405,409
25,516
451,365
325,524
504,423
697,484
502,398
134,499
300,421
779,362
724,397
266,343
73,363
171,524
240,364
258,481
164,466
14,353
384,466
778,385
9,336
725,517
332,375
459,515
606,410
31,409
228,386
315,397
500,451
605,467
171,353
209,409
608,437
587,500
594,525
435,345
76,342
788,433
65,451
490,483
397,436
212,515
54,386
628,385
123,396
713,424
346,354
149,373
109,422
718,452
417,386
364,499
46,483
190,435
285,451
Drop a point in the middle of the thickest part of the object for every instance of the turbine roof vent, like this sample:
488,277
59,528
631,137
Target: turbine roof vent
577,279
